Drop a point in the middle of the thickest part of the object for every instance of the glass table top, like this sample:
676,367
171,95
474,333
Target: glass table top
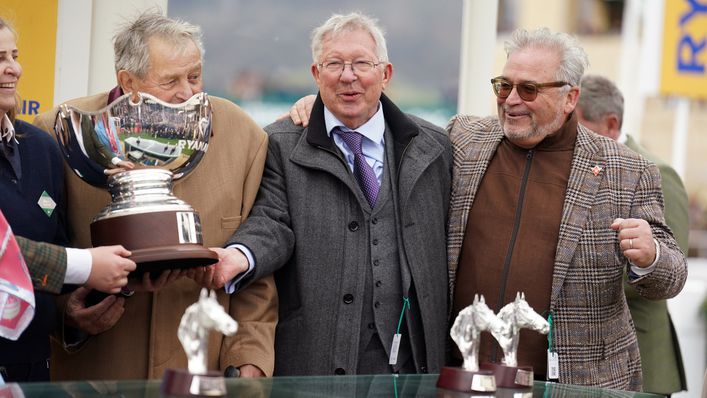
311,386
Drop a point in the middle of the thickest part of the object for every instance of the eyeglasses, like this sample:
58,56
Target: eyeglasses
356,66
527,91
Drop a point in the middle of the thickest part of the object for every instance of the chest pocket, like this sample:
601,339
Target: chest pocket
230,223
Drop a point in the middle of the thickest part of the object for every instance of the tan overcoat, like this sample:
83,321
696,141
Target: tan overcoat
222,189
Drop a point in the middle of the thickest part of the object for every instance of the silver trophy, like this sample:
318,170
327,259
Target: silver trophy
136,147
198,320
517,314
466,333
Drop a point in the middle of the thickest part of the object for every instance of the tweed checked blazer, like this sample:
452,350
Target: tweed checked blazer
46,264
593,332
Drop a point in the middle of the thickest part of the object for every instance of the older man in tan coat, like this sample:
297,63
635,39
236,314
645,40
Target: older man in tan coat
136,337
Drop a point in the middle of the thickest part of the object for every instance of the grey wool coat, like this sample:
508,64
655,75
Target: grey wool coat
593,332
304,228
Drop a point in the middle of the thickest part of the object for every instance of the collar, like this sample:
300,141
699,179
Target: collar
114,94
7,130
373,129
403,129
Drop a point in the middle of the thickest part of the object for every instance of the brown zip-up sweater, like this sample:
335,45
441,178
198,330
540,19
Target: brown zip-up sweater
511,236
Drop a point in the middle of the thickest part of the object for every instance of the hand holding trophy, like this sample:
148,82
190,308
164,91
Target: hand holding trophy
135,148
466,333
198,320
516,315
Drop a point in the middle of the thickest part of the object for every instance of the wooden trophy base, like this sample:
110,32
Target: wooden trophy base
458,379
179,382
157,259
157,240
510,376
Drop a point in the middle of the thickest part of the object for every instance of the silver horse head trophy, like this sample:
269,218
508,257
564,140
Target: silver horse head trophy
466,333
517,315
198,320
196,324
467,328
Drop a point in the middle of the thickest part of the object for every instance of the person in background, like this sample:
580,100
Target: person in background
31,198
600,108
163,57
350,218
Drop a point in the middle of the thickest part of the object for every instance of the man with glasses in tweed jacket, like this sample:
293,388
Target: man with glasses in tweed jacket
542,205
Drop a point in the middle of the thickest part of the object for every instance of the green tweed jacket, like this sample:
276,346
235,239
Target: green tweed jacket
661,361
46,263
593,332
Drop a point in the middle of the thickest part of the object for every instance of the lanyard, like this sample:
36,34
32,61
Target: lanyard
406,303
393,359
549,335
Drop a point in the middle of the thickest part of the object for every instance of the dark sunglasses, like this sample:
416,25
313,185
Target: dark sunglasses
527,91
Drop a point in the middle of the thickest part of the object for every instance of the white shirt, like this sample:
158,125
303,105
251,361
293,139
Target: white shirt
372,146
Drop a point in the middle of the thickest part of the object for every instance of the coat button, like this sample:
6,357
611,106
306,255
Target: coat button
376,262
375,242
353,226
378,283
374,220
348,298
340,371
377,304
371,325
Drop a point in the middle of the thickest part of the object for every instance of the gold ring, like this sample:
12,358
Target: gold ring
630,243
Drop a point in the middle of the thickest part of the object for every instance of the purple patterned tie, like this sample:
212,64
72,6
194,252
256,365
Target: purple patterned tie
362,170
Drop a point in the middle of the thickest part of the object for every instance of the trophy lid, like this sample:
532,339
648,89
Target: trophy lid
128,135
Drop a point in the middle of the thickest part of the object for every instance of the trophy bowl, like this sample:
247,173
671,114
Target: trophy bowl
135,148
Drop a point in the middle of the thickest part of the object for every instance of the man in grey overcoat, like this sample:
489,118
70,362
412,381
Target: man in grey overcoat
350,218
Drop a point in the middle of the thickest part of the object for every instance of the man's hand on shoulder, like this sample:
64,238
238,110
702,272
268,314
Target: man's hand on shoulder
300,111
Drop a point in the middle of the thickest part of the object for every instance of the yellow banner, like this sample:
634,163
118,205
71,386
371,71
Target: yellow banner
35,22
684,65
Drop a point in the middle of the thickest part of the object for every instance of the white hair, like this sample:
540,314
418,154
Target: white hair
338,23
573,58
130,44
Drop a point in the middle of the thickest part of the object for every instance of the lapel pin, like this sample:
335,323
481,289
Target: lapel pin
596,170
